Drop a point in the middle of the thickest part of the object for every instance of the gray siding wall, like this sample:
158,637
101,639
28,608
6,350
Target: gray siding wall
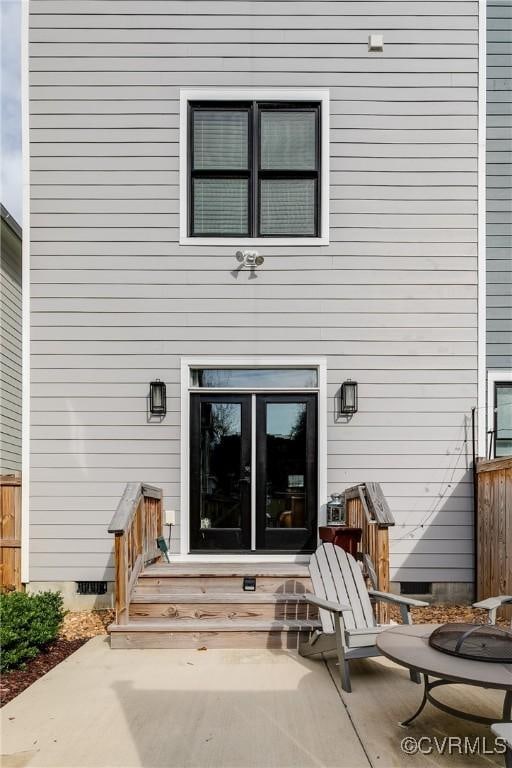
391,302
499,184
10,349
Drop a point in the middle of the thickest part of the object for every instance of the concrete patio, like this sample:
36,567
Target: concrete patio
229,709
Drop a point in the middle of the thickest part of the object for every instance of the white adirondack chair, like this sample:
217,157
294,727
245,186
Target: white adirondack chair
348,622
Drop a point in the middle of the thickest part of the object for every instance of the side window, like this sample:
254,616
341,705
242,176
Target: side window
254,169
503,419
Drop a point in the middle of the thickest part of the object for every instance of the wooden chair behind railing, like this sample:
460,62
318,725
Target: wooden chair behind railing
367,508
137,523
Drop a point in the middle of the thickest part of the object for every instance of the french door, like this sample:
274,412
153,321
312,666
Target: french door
253,473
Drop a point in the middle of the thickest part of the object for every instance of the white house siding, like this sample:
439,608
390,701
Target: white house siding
391,302
10,345
499,184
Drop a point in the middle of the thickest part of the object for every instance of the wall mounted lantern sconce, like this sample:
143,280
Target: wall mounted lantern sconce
157,398
348,398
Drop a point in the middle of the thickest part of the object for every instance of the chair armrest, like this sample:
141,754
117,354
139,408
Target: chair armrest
493,602
387,597
326,604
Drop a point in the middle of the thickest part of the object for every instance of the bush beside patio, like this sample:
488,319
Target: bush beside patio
28,623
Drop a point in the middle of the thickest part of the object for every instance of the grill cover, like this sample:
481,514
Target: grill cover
479,642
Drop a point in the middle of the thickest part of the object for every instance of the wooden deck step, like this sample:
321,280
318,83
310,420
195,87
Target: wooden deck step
196,633
219,584
203,578
213,597
210,606
208,570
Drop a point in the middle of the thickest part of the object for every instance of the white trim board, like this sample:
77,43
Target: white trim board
482,287
25,298
255,94
187,363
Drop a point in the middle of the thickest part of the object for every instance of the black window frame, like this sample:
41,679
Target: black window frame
254,173
497,439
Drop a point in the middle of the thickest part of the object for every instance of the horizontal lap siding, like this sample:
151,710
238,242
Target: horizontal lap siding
390,302
499,186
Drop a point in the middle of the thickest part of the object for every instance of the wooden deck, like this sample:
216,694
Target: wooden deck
200,605
196,605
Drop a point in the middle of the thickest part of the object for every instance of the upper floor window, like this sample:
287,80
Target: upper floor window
254,170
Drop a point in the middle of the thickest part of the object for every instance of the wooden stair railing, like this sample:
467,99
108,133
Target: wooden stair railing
137,523
367,508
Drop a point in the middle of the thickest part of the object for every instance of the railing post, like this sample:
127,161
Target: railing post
121,584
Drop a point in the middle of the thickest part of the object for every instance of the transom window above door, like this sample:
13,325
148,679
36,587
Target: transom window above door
253,171
254,378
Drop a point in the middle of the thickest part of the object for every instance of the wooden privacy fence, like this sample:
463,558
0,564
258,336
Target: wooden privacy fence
136,524
366,508
10,532
493,528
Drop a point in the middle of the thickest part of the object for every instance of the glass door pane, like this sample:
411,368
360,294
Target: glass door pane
286,492
220,487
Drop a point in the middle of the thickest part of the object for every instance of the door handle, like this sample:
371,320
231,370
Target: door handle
246,477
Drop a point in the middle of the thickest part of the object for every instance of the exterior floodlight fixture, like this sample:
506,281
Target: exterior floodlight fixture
250,259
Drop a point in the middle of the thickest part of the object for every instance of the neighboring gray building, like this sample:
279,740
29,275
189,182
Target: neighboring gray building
165,137
499,225
10,344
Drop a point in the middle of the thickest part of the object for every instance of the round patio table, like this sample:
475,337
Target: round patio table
408,646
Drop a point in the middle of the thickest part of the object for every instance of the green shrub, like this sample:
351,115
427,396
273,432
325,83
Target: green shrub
27,624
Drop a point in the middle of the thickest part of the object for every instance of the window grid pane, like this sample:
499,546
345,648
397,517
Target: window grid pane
221,140
287,207
221,206
288,140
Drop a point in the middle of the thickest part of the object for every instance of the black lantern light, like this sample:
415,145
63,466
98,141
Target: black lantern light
336,510
157,398
348,397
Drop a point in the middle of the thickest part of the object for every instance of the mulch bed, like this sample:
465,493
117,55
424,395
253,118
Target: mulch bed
80,627
442,614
